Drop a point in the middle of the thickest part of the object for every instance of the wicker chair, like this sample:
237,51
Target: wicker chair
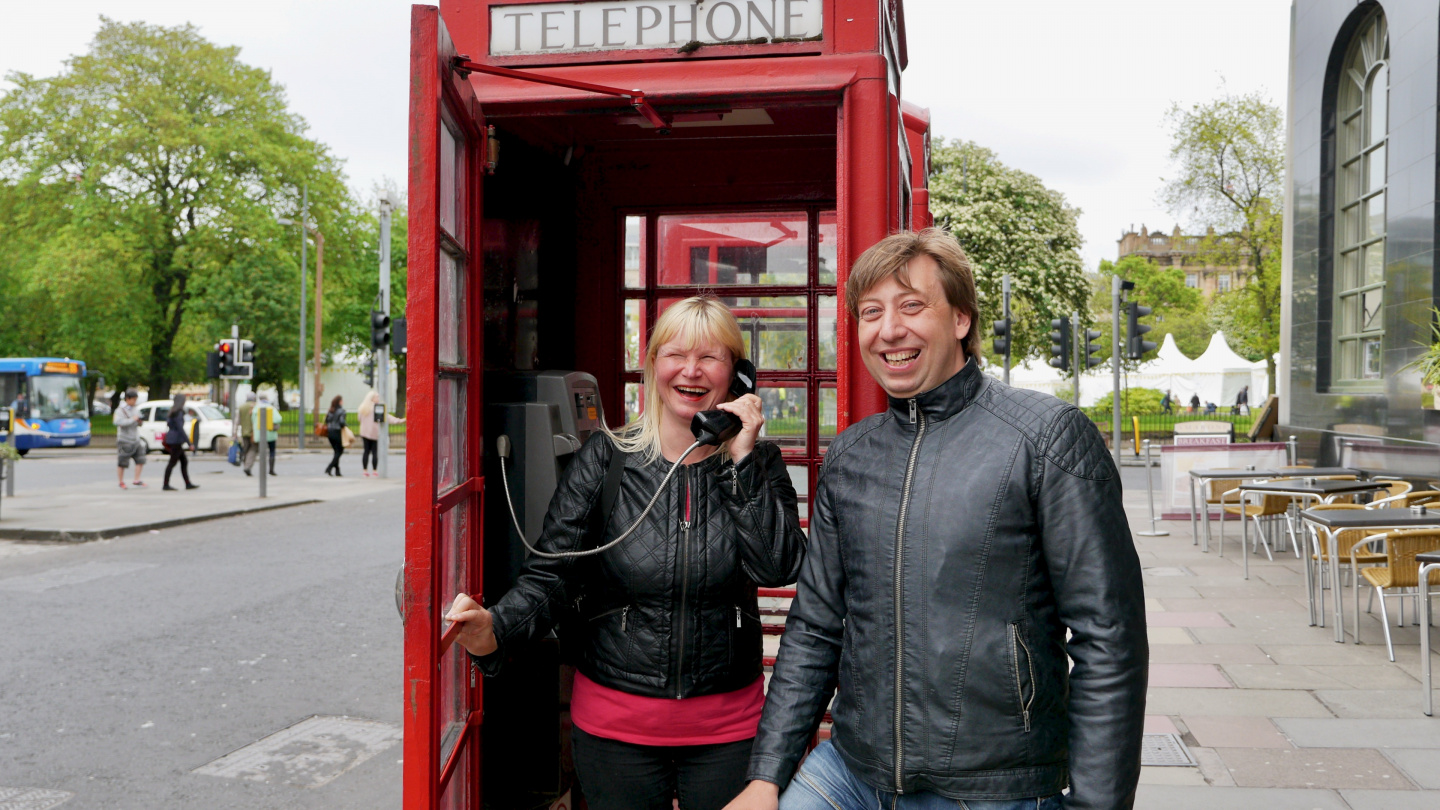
1426,497
1219,492
1399,573
1269,506
1345,542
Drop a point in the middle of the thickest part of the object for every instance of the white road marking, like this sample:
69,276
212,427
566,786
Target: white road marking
311,753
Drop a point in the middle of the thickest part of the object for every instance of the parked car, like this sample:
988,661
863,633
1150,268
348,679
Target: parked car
213,424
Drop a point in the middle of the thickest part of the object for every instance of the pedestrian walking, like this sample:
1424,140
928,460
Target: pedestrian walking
370,433
335,432
174,443
1242,400
1167,403
1194,403
245,417
986,662
128,446
267,418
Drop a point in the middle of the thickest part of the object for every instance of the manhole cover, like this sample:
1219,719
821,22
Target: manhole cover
1164,750
31,798
311,753
1168,572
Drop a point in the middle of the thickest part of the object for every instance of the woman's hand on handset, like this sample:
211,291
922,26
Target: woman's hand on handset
478,634
752,418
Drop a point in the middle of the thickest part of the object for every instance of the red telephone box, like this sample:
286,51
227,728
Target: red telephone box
575,167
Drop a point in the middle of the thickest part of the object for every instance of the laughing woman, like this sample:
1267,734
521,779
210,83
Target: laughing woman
669,689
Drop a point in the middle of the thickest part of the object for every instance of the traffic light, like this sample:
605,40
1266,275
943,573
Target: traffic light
370,372
397,344
212,364
226,360
245,361
1060,343
1091,360
1002,336
379,329
1135,343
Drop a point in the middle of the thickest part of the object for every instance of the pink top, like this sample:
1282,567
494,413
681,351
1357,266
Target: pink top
705,720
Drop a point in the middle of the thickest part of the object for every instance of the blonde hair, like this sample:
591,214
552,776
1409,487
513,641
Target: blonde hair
689,323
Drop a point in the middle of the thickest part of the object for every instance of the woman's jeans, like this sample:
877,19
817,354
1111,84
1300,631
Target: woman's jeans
824,783
370,458
338,445
176,452
618,775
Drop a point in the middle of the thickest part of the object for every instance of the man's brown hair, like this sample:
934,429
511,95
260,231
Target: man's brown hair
890,257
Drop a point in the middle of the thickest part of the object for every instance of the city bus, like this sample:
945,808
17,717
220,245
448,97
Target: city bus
54,391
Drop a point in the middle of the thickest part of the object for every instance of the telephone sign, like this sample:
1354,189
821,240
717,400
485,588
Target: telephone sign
617,25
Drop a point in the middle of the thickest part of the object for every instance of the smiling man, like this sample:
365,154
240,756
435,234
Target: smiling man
966,546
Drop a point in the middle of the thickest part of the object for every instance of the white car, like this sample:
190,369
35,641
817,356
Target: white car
153,413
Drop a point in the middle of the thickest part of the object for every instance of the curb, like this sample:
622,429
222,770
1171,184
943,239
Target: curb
87,535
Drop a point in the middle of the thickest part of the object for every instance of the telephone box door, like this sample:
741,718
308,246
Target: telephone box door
443,487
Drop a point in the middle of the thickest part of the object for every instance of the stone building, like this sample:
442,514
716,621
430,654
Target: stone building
1359,277
1180,250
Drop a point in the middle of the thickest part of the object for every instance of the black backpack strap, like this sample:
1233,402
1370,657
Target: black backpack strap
610,491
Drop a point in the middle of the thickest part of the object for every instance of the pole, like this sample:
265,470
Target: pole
1293,448
261,433
1009,328
304,243
1115,362
1150,494
1075,342
382,355
319,302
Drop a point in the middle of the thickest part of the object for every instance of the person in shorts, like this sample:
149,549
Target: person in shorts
128,446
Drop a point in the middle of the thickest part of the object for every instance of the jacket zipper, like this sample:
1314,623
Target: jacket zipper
737,617
684,586
1016,644
916,417
624,618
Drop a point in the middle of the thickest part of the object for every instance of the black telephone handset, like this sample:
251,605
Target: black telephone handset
714,427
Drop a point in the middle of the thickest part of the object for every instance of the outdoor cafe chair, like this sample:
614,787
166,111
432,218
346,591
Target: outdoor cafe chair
1219,492
1400,573
1396,486
1345,541
1268,506
1425,497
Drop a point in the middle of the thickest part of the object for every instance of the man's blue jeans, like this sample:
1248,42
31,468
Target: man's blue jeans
824,783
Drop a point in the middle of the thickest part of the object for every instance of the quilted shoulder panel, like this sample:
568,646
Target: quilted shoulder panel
1076,447
1030,412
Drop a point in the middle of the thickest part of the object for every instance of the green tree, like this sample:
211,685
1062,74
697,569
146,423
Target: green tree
348,310
1009,222
183,154
1178,310
1229,156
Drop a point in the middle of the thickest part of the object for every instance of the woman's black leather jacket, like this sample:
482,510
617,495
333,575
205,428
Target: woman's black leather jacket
671,611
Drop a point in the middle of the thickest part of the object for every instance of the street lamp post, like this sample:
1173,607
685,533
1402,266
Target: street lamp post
382,353
308,229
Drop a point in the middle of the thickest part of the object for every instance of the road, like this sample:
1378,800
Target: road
127,664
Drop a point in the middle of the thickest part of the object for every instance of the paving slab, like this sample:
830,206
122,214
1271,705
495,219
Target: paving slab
1391,800
1234,732
1331,654
1235,702
1181,797
1211,766
1177,619
1207,654
1171,776
1168,635
1195,676
1372,676
1422,732
1422,766
1254,604
1160,724
1312,768
1262,636
1373,703
1276,676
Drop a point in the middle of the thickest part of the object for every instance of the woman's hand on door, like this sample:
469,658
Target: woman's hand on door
478,633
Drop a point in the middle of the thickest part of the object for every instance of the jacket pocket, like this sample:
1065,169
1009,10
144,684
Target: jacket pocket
623,610
1024,667
735,623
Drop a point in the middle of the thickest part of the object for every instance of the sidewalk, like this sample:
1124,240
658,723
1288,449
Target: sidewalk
1276,714
91,506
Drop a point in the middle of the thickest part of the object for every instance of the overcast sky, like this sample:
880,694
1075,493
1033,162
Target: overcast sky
1072,91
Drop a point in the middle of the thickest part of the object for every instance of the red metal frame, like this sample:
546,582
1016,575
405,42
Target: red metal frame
880,150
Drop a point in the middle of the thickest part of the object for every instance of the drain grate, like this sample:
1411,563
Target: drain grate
1165,750
310,753
31,798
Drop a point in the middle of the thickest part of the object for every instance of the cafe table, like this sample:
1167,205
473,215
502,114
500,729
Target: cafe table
1429,561
1204,476
1309,487
1372,520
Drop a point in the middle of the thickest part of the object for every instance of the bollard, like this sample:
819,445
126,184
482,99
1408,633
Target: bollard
263,455
1150,494
1292,448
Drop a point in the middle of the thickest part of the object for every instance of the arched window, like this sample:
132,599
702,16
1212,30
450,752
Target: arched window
1359,280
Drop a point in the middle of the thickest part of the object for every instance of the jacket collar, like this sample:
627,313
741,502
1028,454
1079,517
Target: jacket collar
947,398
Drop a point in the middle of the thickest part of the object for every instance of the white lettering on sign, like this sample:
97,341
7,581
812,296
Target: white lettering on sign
614,25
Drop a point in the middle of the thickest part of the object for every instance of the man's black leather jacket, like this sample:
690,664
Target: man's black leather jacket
671,611
954,539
